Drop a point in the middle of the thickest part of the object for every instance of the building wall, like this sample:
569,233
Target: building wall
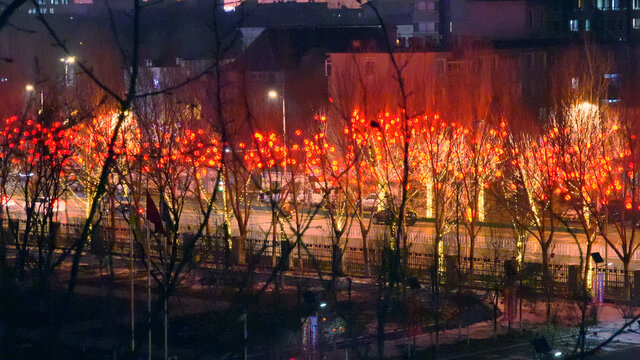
498,19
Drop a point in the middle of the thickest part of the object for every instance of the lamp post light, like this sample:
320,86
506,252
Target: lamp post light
273,95
68,75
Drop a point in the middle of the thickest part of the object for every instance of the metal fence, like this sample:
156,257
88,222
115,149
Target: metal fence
318,253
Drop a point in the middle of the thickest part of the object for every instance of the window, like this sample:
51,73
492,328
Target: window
608,4
530,19
635,24
454,67
528,61
327,67
540,18
422,6
636,4
587,25
369,67
440,66
541,59
574,83
573,25
431,6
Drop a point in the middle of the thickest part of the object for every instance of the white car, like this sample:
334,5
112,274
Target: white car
57,205
370,202
316,199
7,202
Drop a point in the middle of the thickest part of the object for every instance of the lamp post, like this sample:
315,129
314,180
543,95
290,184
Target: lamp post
68,63
273,94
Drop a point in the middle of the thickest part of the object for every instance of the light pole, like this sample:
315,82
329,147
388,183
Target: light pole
273,94
68,63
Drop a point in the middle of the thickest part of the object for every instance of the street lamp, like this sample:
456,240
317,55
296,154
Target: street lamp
273,94
29,88
68,61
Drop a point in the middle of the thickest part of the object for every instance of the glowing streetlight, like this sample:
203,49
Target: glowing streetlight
273,94
68,73
29,88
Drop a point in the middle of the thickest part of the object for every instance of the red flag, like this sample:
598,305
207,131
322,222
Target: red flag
153,214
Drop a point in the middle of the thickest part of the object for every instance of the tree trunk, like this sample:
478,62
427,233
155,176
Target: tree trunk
627,279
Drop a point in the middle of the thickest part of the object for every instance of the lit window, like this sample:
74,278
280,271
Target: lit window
587,25
573,25
327,67
50,10
636,4
636,24
574,83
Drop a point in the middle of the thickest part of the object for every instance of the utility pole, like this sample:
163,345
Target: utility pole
149,277
133,316
246,352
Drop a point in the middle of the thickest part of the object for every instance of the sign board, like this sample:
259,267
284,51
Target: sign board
598,288
310,333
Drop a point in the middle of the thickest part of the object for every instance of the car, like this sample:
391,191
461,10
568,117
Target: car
124,210
268,196
370,203
56,205
618,210
8,202
316,199
387,217
571,215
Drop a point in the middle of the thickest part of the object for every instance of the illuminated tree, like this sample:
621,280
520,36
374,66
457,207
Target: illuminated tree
580,138
618,185
477,158
530,189
330,166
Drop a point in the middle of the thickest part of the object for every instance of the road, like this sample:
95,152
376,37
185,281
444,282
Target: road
421,235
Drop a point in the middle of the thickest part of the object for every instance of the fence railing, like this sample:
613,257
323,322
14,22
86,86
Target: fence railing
318,253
